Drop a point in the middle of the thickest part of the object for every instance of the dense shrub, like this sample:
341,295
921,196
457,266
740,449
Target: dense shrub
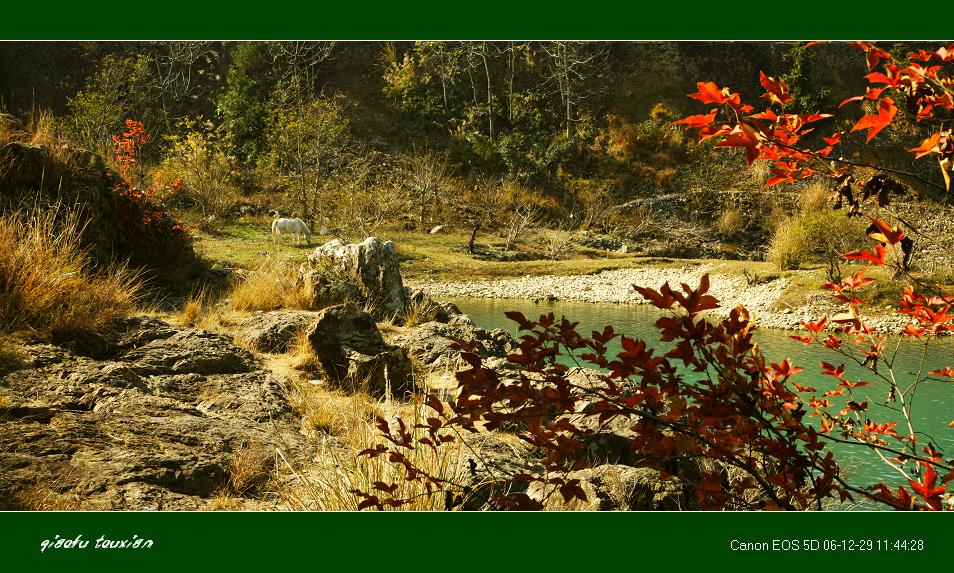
815,237
196,158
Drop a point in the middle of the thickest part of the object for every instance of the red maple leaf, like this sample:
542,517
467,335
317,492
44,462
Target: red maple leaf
698,121
926,487
885,234
873,54
876,258
743,136
709,92
928,146
874,123
776,90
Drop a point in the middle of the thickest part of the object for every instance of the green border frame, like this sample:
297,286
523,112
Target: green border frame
484,20
456,541
396,541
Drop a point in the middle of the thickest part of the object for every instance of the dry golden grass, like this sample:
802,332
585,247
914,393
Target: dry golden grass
814,197
759,172
301,354
814,237
192,311
47,284
787,249
42,497
225,501
328,485
251,468
11,355
206,311
730,224
271,286
334,412
419,312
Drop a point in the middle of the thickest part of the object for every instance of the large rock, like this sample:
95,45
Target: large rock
431,343
273,331
159,425
440,311
190,351
373,265
353,354
322,291
491,462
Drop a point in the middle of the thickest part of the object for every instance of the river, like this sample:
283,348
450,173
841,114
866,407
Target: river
932,407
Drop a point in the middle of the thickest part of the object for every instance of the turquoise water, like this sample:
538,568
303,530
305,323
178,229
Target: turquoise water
933,406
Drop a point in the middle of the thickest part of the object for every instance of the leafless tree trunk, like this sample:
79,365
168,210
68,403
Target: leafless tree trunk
425,174
573,65
518,221
490,91
176,65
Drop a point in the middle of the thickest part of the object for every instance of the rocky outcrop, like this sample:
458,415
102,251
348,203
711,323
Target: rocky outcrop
432,343
273,331
373,265
492,461
31,173
158,425
418,301
321,291
354,356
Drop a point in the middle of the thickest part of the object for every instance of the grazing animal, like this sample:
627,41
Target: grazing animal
295,227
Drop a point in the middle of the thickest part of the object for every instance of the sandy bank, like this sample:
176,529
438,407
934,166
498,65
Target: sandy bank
616,286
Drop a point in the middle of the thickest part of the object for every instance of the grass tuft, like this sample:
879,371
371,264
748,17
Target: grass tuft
329,485
271,286
48,284
251,468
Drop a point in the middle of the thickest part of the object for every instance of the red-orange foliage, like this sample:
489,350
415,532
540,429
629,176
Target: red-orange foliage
137,208
713,394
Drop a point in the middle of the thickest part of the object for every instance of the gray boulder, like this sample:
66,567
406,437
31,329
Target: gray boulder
375,268
431,343
322,291
434,310
354,356
492,462
274,331
189,351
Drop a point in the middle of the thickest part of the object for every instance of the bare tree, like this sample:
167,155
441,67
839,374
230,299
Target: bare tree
478,56
512,51
443,59
182,73
364,196
517,221
296,63
424,174
573,66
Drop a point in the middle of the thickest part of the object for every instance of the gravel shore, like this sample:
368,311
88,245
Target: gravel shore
615,286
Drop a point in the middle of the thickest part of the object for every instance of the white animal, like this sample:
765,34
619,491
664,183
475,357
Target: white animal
295,227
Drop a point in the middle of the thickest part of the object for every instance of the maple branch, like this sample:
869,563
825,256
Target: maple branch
826,161
900,453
